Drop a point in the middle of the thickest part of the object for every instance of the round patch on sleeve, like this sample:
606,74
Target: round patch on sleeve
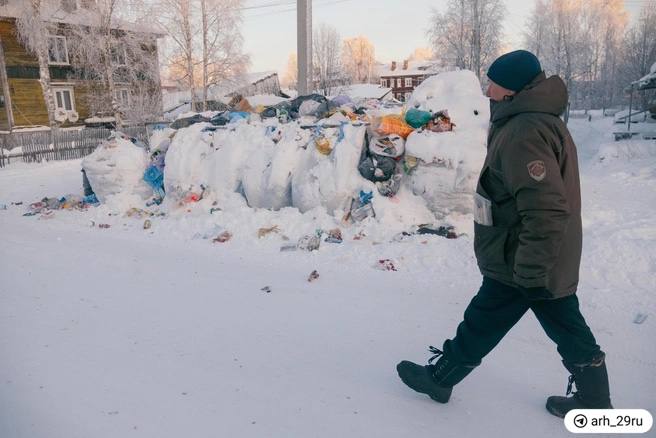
537,170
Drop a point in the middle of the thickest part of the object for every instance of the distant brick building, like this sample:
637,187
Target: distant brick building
404,77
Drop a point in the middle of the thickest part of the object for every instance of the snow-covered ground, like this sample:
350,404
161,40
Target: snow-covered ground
126,332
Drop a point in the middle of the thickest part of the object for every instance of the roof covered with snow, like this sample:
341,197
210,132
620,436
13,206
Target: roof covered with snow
233,85
362,91
410,68
648,81
52,12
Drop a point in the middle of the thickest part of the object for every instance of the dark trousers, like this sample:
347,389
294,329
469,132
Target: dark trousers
496,308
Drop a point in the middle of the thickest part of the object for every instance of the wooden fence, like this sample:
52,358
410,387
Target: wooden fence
37,146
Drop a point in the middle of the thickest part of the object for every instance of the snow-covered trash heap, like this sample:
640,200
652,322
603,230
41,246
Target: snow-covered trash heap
115,170
351,160
447,159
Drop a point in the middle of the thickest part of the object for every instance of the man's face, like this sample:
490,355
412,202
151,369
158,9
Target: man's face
497,93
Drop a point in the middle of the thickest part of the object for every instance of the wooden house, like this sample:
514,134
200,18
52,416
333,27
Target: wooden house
22,101
403,78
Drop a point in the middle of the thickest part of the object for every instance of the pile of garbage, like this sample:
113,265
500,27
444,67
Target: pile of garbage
46,207
356,160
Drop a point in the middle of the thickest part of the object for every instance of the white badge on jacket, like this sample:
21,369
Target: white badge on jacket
482,210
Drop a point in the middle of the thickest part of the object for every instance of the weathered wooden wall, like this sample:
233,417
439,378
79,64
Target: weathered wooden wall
28,103
22,68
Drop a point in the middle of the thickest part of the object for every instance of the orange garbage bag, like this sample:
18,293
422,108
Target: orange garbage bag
394,124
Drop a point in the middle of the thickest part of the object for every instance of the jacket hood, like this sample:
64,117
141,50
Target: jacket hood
541,95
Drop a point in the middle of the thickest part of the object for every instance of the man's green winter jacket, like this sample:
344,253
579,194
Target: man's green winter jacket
532,238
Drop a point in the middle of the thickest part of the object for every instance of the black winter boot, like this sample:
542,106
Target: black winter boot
592,388
436,380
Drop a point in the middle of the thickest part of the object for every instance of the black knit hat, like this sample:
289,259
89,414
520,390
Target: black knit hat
514,70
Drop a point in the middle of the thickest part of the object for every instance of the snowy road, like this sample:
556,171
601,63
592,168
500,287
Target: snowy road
125,332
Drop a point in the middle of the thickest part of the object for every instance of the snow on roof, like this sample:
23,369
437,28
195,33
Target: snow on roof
648,81
362,91
265,99
51,12
233,85
415,68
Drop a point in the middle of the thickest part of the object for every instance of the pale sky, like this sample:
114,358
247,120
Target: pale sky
395,27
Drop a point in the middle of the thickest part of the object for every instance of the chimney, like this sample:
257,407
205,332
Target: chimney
393,65
405,64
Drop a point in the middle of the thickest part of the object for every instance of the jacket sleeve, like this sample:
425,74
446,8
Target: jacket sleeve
532,175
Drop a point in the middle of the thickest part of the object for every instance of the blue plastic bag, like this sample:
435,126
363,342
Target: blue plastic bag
155,179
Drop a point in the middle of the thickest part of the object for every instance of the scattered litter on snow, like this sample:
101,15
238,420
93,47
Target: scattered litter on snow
309,242
223,237
640,318
266,231
385,265
334,236
313,276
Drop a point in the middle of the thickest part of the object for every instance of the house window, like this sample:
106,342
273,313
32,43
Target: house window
383,83
407,96
69,5
64,98
57,50
408,82
119,56
122,97
399,81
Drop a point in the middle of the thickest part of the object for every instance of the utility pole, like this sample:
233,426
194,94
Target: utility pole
304,45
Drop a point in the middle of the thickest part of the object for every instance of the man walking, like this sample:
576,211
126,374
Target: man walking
527,241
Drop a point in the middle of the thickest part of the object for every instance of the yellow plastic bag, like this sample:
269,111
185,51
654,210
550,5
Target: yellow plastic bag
323,145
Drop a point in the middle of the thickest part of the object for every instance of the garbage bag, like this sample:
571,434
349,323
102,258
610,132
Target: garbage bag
393,124
308,108
417,118
220,119
295,104
188,121
388,146
341,100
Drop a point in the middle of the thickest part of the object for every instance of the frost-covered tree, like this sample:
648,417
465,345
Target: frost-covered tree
580,41
178,20
421,54
326,54
359,58
468,33
222,56
33,26
290,78
639,49
109,45
206,42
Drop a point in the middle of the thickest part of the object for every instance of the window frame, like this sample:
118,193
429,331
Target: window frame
74,3
61,89
118,95
408,82
116,51
56,38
